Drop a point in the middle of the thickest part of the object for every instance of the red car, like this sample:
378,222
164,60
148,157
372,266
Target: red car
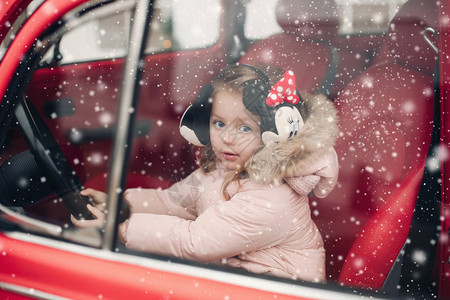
92,93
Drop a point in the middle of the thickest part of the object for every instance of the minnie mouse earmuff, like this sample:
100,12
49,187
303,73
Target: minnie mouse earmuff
276,106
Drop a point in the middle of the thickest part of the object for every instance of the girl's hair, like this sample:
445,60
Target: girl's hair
234,79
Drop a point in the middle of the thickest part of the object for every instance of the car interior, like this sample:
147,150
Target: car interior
381,84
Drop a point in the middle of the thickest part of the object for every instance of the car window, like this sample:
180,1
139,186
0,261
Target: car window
355,17
74,92
61,132
382,130
105,37
173,27
260,19
108,36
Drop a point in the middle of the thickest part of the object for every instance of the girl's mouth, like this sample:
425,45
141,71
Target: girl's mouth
229,156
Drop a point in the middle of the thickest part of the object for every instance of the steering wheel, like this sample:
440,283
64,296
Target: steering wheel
50,158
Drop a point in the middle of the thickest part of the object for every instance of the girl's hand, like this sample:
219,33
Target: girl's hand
98,222
99,198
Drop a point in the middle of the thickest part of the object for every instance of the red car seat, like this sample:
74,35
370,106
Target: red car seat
305,46
385,120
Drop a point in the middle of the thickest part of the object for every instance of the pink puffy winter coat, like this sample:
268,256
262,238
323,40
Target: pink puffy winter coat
265,227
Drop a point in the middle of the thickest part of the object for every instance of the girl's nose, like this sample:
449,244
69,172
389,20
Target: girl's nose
229,136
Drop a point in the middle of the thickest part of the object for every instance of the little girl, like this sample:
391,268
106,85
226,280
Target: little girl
264,149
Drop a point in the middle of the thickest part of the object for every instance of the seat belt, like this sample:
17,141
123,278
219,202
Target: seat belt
412,271
327,84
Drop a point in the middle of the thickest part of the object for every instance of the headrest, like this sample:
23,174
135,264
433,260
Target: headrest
405,41
316,19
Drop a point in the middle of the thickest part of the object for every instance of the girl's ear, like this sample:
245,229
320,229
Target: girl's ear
194,124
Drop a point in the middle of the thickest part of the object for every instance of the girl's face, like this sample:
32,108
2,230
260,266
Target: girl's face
234,131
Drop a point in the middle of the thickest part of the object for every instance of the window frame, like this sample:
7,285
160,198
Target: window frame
17,16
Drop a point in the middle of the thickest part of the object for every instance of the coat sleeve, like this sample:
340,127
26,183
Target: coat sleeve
303,185
179,200
246,222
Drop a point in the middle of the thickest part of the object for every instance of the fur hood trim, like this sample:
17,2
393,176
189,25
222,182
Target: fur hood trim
287,159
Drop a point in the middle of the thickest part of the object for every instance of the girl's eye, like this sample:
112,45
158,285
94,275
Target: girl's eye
219,124
245,128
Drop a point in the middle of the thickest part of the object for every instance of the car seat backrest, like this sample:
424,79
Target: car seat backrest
303,46
410,48
373,253
399,90
405,41
307,46
385,120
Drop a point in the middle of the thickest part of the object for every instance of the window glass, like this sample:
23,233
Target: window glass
385,114
60,139
75,90
261,19
107,37
382,129
381,88
355,16
174,28
104,37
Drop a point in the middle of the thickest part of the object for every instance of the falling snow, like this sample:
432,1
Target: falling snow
383,128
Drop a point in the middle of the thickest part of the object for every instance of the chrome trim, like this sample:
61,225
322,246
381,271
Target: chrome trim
87,236
262,284
28,223
29,292
425,33
106,10
125,118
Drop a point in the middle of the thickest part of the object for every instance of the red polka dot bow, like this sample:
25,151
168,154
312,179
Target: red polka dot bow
283,91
